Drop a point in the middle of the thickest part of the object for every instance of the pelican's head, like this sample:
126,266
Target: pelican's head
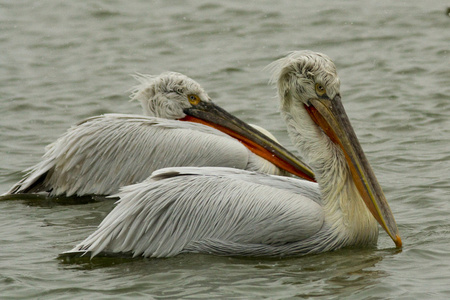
304,75
175,96
308,85
167,95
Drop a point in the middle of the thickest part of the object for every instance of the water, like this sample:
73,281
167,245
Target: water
63,61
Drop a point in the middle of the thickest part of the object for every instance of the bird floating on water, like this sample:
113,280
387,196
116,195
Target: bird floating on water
226,211
103,153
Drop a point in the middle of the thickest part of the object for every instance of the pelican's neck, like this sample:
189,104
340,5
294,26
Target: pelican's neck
345,210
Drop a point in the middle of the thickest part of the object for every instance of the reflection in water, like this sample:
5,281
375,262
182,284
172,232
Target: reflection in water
342,272
44,201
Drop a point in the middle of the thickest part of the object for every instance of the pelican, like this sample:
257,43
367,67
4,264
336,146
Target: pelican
100,154
226,211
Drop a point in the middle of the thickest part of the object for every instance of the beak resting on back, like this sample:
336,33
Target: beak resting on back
209,114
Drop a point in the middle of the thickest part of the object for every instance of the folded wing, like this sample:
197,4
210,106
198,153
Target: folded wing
207,210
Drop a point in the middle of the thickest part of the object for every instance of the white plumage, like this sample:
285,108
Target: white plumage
234,212
103,153
212,210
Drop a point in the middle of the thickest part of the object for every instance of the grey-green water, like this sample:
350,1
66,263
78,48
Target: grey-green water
61,61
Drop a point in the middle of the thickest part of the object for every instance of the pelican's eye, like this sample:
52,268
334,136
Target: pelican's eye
320,90
193,99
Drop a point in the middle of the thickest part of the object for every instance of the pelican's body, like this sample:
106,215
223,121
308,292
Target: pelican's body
235,212
103,153
224,212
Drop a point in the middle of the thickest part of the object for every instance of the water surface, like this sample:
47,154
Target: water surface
63,61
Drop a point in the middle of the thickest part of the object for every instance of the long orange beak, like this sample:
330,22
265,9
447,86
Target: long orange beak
331,117
209,114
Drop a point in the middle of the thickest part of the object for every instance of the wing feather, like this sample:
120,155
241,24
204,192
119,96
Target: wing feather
106,152
194,210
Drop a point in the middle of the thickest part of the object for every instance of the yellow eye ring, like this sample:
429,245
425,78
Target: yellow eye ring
320,90
193,99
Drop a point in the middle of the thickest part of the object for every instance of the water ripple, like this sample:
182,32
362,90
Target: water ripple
64,61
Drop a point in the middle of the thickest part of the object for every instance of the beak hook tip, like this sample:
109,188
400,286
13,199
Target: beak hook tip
398,241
